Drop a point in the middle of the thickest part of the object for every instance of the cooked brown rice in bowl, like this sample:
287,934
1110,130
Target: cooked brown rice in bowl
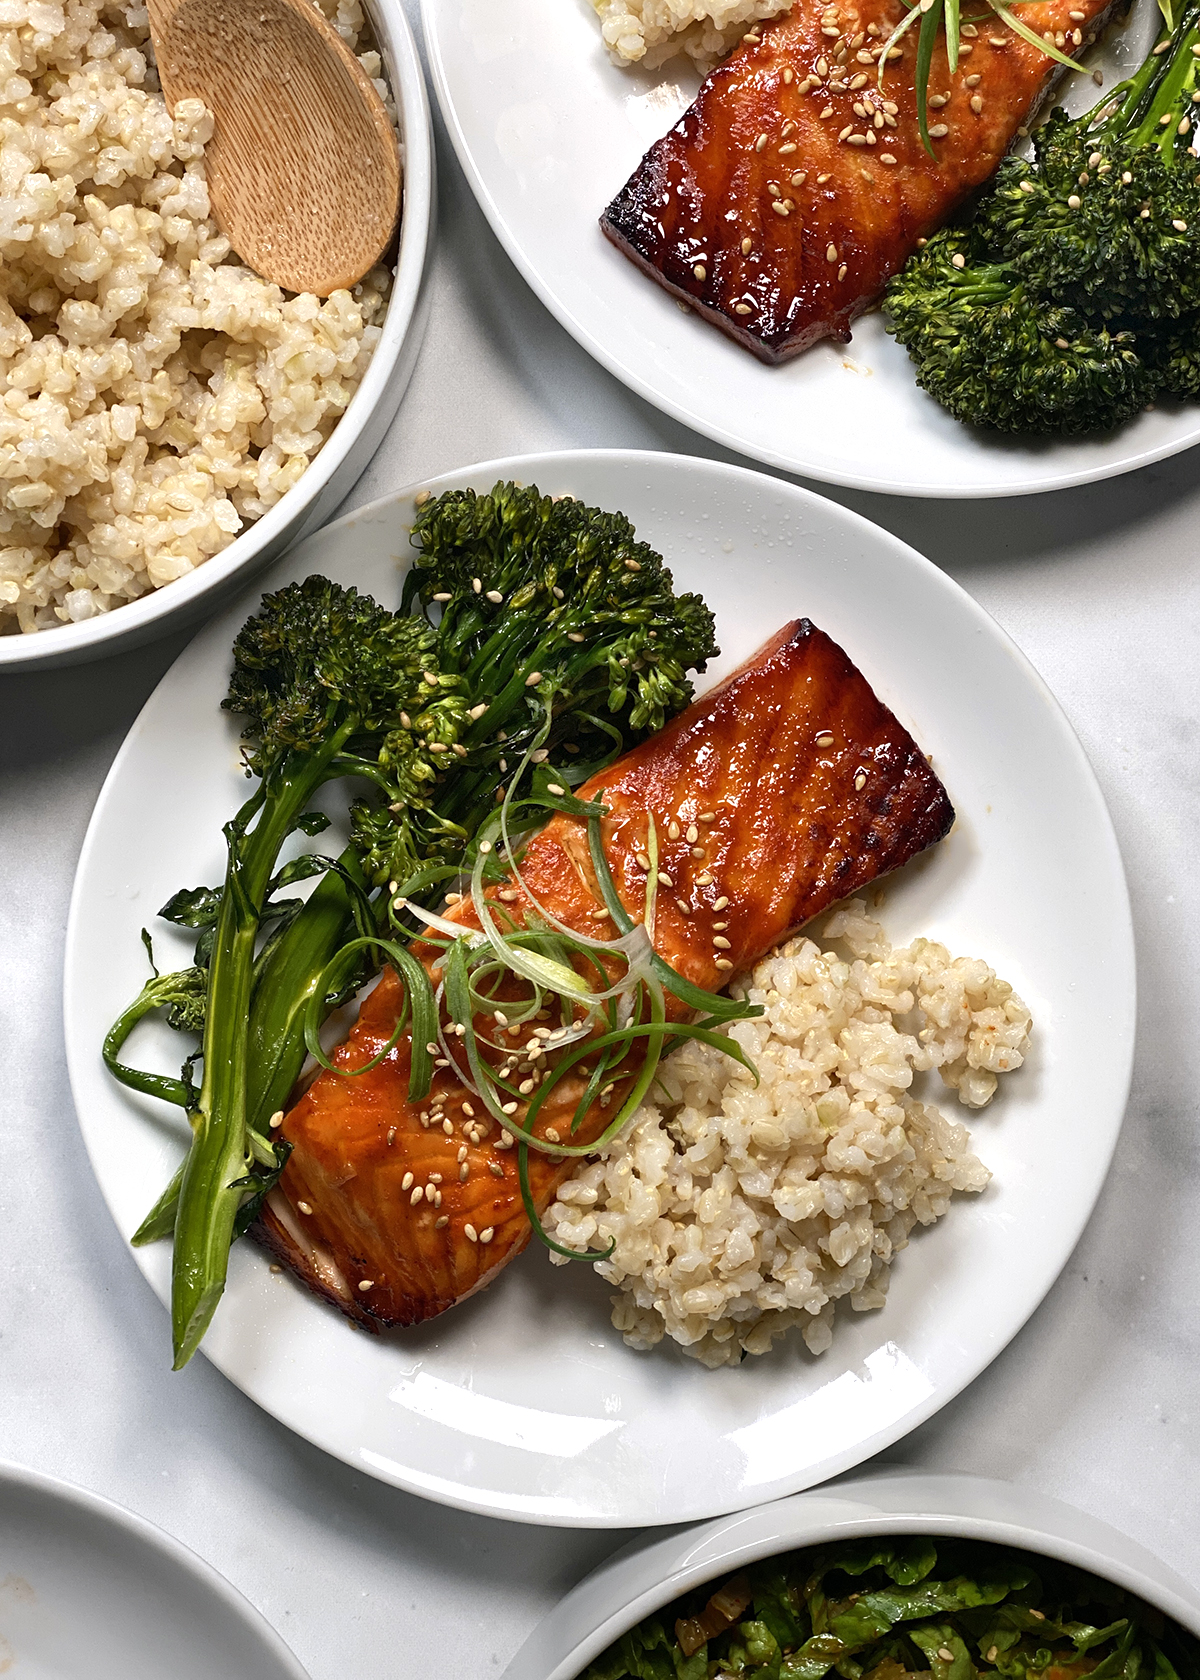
160,396
740,1210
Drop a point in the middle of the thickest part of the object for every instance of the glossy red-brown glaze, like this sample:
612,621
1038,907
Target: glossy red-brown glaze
774,795
785,198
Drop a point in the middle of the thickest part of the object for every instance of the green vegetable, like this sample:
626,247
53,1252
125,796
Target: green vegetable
1071,298
585,652
991,351
933,1608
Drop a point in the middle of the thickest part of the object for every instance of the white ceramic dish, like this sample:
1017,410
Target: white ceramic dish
524,1402
88,1588
354,440
548,130
650,1572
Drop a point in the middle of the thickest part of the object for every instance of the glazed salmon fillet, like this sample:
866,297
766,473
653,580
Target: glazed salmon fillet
779,792
792,190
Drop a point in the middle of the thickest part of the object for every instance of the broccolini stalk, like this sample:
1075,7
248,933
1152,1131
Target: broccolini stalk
328,683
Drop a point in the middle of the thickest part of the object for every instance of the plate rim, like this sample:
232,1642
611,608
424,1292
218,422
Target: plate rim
432,15
73,1495
490,1503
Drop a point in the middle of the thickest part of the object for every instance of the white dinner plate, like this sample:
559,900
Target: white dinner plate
87,1588
548,130
524,1402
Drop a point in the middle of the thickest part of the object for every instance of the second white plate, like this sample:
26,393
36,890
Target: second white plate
548,130
524,1402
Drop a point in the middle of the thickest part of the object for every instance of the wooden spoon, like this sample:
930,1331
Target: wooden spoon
303,166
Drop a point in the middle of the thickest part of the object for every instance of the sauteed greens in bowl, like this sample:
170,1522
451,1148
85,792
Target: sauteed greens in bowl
886,1608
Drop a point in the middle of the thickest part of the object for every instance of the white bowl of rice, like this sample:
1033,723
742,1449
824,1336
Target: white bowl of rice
171,421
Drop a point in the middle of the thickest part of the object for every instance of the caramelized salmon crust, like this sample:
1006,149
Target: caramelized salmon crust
787,787
791,191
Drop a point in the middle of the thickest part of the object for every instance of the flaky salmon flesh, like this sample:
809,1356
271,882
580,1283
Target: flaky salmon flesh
782,790
790,192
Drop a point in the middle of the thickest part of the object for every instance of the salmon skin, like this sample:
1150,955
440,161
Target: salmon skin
790,192
784,789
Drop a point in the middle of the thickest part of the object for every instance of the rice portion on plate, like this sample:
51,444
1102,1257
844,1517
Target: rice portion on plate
158,395
741,1210
648,32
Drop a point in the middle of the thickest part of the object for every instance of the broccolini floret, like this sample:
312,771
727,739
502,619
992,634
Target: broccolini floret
989,350
1051,311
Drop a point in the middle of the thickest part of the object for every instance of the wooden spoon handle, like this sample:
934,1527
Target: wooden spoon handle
304,166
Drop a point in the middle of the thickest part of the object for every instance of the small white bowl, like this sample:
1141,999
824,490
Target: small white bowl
91,1589
353,441
651,1572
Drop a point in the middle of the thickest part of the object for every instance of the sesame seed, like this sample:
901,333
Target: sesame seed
747,247
699,271
760,143
859,140
693,834
723,963
788,129
448,1127
1180,227
790,147
721,943
997,40
1027,186
430,678
825,739
440,1224
1040,1615
788,76
886,157
827,112
555,788
685,908
406,1183
843,271
846,132
477,712
304,1207
664,880
831,253
673,830
946,1654
939,131
462,1154
555,590
1184,125
367,1283
1127,178
720,903
742,309
822,68
417,1194
526,1086
477,584
496,1170
937,100
705,880
464,1172
551,1135
780,208
860,781
574,636
719,927
830,31
821,180
992,1654
532,680
486,1235
976,103
470,1233
1074,202
711,816
1063,343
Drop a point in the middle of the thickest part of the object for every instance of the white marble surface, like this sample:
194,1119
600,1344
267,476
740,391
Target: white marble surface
1095,1401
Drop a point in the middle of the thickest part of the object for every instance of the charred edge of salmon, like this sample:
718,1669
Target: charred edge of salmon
773,356
270,1231
937,818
